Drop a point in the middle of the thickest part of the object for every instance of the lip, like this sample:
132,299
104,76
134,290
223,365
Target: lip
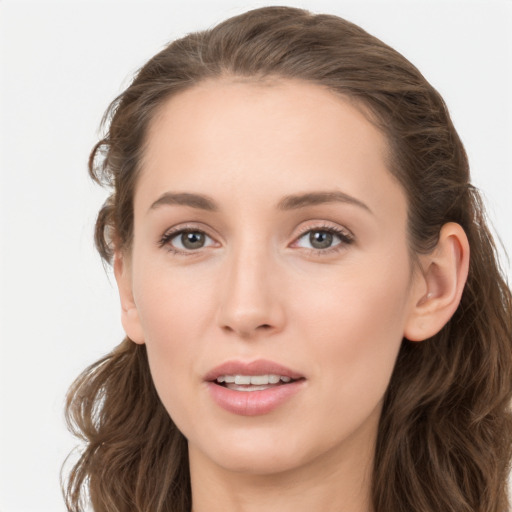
253,403
258,367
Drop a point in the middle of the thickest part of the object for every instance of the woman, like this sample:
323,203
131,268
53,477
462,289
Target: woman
290,226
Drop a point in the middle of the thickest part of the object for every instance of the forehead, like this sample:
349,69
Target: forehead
285,101
244,134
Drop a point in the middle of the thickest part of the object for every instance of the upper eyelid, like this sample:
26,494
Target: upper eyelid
326,226
179,228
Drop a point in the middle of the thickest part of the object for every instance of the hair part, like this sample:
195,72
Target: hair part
444,435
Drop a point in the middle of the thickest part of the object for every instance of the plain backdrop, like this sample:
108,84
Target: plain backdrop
61,63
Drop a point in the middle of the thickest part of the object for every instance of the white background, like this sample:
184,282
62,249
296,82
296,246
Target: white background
61,63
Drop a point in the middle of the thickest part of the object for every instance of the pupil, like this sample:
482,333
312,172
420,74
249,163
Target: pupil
320,239
192,240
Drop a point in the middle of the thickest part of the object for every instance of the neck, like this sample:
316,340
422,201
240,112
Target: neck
338,481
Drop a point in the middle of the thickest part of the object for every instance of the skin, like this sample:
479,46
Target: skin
257,289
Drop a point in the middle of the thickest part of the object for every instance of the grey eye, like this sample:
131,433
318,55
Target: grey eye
188,240
320,239
192,239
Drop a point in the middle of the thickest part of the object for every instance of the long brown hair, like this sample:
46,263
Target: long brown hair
444,441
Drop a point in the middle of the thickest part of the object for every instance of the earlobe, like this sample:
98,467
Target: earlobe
129,313
441,283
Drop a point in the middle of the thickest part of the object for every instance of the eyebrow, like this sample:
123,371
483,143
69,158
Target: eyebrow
290,202
186,199
293,202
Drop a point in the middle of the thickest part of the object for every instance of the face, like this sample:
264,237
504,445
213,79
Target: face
269,249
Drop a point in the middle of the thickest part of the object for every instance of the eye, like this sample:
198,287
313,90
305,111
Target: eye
323,239
186,240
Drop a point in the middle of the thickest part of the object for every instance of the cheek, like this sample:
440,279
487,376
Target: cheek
355,326
173,305
174,310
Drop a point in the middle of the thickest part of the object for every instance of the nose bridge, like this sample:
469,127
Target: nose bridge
248,298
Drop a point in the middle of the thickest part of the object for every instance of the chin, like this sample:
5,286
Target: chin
258,453
258,462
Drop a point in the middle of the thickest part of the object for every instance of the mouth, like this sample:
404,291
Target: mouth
254,388
252,374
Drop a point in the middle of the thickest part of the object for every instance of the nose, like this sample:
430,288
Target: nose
250,303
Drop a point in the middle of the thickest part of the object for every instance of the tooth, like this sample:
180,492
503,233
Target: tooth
234,387
242,379
254,380
259,380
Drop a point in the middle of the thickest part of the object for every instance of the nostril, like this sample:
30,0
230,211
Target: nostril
248,333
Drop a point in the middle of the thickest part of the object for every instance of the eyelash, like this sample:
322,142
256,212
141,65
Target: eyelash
167,237
345,237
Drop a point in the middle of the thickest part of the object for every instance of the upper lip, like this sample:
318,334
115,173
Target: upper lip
258,367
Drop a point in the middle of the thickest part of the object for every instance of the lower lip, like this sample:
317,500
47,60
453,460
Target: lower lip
253,403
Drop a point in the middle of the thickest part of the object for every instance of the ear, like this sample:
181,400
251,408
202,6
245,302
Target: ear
129,313
438,284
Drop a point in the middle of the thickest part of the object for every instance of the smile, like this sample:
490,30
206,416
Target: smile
255,388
